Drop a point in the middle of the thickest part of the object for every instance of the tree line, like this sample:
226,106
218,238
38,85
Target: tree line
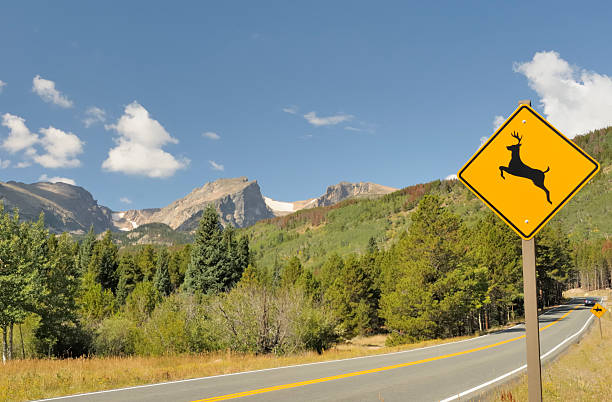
441,278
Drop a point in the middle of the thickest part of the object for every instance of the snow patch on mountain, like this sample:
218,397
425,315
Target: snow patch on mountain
279,206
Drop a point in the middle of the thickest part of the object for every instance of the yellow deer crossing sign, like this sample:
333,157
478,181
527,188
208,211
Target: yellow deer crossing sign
527,171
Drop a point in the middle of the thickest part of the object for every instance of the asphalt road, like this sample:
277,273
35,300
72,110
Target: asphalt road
459,370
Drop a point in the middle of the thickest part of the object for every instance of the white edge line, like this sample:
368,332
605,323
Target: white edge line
253,371
273,368
501,377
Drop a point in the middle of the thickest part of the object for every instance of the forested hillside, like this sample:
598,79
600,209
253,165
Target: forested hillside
347,227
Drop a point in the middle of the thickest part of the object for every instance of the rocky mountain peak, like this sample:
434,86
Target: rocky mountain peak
238,201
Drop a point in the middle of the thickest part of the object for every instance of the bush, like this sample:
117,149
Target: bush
116,336
262,319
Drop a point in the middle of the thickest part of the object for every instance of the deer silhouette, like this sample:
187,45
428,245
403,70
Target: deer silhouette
516,167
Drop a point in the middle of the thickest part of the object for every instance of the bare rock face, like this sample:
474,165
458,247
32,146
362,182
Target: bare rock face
344,190
238,202
67,208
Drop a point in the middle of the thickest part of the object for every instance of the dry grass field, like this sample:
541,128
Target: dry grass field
584,373
43,378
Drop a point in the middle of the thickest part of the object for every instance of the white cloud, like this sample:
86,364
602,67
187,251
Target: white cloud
56,179
125,200
313,119
139,146
451,177
574,100
211,136
47,92
4,163
498,121
215,166
483,140
62,149
19,137
94,115
351,128
290,109
2,85
23,164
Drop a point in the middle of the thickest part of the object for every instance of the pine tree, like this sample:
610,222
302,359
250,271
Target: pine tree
86,250
204,271
146,261
129,276
428,296
353,298
291,272
104,262
161,280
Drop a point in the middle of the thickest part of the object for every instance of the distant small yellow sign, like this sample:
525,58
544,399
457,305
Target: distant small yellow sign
598,310
527,171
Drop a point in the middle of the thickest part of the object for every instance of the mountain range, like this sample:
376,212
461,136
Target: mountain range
238,201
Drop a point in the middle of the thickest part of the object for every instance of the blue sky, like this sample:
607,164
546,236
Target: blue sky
118,96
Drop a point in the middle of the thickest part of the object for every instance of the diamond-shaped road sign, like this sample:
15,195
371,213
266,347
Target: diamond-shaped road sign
527,171
598,310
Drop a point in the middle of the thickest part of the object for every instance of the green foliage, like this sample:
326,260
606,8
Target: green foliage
116,336
141,302
104,263
146,262
291,272
129,276
426,298
354,298
86,250
553,262
161,280
215,257
257,318
59,330
95,303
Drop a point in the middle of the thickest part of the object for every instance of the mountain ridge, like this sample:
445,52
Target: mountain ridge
238,201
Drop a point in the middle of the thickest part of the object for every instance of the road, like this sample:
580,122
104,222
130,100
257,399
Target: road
458,370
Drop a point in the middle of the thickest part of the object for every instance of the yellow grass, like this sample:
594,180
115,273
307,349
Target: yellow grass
43,378
584,373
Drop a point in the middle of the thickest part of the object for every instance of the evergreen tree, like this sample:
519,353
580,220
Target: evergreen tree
205,271
244,254
161,280
428,297
291,272
104,262
86,250
495,254
129,276
354,299
554,263
146,261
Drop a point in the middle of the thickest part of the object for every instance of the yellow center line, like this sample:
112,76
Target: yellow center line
370,371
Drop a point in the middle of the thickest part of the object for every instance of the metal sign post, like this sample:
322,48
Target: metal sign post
532,330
